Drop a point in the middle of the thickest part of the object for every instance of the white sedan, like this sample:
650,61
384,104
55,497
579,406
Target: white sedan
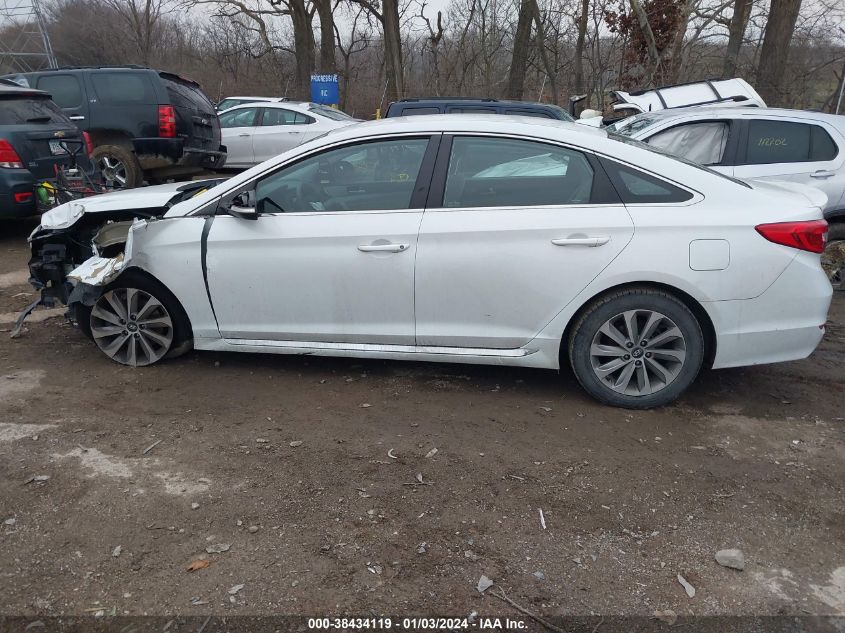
455,238
255,132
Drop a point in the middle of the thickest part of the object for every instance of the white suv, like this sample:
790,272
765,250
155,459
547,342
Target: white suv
755,143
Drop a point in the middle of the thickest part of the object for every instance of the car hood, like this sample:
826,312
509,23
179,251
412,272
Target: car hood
816,197
154,197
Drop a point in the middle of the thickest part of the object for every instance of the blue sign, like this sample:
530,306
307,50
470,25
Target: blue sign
324,89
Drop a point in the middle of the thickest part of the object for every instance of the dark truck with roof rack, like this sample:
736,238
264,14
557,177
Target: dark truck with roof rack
144,124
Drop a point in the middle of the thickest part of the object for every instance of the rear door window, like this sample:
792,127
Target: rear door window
702,142
126,88
787,142
280,116
64,89
494,172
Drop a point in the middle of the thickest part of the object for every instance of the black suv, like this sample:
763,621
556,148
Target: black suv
470,105
145,124
35,136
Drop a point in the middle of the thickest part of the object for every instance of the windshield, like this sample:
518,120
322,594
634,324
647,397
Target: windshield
629,141
563,114
330,113
632,124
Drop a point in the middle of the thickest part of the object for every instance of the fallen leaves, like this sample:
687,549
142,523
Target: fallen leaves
197,565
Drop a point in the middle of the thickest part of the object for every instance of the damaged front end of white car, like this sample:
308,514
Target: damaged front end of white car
82,246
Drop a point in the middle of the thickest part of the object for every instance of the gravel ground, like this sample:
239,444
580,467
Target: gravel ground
319,479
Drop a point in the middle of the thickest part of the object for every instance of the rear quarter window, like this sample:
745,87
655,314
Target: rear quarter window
125,88
637,187
18,111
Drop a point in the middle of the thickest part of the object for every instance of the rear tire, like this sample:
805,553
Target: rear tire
136,321
636,348
119,166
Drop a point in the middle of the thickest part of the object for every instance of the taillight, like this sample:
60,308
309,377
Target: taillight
8,156
167,121
23,196
810,235
89,144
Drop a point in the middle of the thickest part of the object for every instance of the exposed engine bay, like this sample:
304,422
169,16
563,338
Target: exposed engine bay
79,247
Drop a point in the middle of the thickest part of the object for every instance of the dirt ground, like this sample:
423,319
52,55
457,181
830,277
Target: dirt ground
309,471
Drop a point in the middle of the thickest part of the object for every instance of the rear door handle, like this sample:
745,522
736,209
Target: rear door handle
600,240
383,248
822,173
243,134
77,117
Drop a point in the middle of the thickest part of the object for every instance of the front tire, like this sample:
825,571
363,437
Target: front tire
136,321
636,348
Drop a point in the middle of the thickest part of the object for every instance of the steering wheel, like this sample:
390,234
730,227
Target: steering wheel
343,170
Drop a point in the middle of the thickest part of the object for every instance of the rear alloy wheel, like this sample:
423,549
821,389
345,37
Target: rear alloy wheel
119,167
131,326
637,348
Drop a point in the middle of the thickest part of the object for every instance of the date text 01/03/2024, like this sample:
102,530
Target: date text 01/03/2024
418,623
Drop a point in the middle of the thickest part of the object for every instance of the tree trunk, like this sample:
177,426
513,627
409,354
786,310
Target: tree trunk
392,50
773,55
651,42
521,44
551,72
303,46
736,34
328,63
583,21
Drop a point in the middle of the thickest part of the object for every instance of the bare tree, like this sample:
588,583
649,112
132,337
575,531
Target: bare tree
736,35
142,18
521,46
773,55
583,22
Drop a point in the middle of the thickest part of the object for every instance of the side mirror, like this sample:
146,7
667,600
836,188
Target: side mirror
244,213
241,206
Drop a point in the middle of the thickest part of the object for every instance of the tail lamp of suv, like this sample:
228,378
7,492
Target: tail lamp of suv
89,144
810,235
167,121
9,158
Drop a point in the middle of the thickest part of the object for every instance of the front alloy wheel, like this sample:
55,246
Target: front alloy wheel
131,326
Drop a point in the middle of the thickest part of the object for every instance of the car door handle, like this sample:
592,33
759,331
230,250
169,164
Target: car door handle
77,117
383,248
600,240
243,134
822,173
